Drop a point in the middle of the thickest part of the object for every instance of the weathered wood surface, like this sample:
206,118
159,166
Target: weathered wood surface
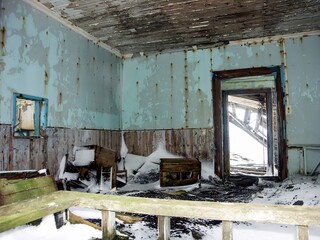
191,143
163,228
47,152
108,223
22,212
16,214
227,233
157,25
179,171
303,232
16,190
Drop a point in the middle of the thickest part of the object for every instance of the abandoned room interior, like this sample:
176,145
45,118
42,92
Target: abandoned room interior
233,86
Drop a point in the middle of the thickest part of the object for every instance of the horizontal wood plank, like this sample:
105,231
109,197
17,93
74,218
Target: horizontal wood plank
16,214
19,213
21,189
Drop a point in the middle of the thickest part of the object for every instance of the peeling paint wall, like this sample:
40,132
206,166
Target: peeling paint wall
173,90
166,97
303,77
43,58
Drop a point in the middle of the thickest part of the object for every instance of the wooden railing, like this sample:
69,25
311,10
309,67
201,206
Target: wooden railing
13,215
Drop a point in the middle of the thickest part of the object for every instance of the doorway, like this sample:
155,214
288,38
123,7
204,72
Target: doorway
249,123
251,132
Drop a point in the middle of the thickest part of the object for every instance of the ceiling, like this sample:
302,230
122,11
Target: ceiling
133,26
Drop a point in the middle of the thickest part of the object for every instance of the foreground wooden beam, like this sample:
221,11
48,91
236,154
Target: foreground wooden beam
279,214
22,212
16,214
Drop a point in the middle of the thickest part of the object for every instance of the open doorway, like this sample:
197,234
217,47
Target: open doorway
249,123
251,133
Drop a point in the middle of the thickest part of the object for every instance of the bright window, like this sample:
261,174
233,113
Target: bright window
29,115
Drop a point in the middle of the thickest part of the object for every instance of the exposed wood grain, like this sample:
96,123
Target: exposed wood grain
182,142
303,232
155,25
227,230
108,225
163,228
25,211
16,214
46,152
21,189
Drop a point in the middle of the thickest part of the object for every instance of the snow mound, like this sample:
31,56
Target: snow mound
146,169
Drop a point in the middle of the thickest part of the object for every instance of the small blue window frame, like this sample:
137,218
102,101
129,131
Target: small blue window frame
40,118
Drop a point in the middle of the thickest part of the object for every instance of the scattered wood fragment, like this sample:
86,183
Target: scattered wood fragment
128,219
75,219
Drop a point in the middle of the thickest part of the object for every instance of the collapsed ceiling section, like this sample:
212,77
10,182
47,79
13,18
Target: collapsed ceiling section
156,25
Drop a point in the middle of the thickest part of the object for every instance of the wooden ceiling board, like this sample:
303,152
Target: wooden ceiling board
155,25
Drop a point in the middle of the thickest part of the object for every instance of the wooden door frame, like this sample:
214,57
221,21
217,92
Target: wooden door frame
222,166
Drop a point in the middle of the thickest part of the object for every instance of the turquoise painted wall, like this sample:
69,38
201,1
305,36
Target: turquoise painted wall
173,90
41,57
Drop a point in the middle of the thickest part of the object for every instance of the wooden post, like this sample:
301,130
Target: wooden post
164,227
108,225
303,233
227,230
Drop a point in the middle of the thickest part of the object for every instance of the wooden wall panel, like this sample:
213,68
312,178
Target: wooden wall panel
197,143
47,152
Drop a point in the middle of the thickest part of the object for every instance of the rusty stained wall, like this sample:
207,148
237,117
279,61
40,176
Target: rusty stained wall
173,90
38,153
186,142
43,58
301,57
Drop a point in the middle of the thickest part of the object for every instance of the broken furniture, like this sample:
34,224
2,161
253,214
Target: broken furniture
106,163
179,171
89,163
30,189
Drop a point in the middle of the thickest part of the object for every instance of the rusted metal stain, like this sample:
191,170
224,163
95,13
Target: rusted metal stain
46,78
3,34
211,59
60,98
171,94
283,55
186,91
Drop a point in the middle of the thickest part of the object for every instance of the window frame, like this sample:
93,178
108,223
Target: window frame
40,116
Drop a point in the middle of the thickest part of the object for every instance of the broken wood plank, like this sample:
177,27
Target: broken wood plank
75,219
128,219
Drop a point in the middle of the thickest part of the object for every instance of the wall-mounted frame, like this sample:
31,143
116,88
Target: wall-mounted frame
30,115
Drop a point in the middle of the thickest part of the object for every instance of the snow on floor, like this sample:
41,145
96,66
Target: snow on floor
299,190
47,231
